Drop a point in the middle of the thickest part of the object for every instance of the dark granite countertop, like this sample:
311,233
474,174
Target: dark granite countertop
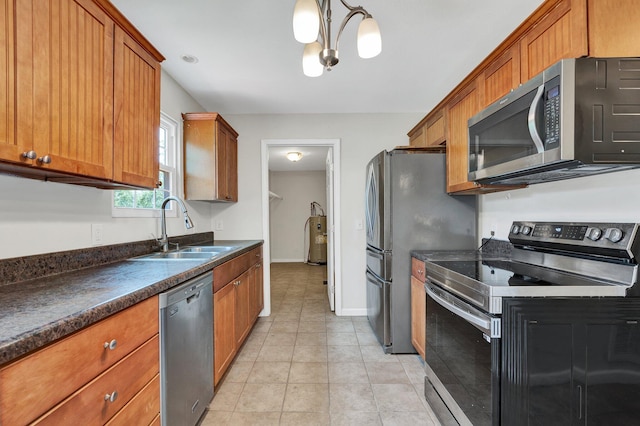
41,310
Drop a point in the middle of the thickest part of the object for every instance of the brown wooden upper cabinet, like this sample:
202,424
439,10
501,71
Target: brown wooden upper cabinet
210,158
557,29
430,132
79,106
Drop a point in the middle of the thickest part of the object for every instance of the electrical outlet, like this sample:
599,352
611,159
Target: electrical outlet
96,234
219,225
493,233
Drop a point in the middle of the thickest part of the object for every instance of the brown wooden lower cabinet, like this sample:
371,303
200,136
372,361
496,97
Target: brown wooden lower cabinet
67,381
237,301
418,306
418,315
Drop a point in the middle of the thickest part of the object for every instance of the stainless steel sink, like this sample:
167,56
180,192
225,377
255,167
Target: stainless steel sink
189,253
208,249
175,255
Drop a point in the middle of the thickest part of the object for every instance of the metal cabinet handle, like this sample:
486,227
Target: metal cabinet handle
31,155
44,160
420,271
111,397
111,345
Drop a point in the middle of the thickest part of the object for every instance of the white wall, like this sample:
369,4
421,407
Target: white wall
289,238
362,136
41,217
605,198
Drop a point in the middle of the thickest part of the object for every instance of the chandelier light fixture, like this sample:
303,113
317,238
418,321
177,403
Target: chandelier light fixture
294,156
312,26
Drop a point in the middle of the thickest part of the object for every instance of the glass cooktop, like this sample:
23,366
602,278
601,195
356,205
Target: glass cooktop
508,273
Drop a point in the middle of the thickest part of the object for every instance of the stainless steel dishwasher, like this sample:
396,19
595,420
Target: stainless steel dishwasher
186,351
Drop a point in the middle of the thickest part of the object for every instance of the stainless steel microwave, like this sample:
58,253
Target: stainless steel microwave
577,118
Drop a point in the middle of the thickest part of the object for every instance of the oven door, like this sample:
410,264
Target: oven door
463,359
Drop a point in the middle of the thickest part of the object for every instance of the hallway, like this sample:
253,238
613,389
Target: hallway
303,365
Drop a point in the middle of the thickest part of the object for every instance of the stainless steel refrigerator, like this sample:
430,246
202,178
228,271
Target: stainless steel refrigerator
407,208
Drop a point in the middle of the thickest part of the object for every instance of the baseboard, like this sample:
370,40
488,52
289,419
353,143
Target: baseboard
287,260
354,312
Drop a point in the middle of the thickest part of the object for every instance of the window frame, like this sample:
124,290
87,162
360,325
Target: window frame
174,171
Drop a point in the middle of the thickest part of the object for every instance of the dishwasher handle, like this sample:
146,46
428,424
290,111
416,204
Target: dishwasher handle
194,297
189,290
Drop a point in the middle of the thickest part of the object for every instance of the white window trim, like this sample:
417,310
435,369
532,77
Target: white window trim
176,183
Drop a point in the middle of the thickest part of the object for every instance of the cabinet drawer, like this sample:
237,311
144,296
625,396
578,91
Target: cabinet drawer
33,384
143,409
417,268
235,267
126,378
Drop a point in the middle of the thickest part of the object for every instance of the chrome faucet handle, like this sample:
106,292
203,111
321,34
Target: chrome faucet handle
175,244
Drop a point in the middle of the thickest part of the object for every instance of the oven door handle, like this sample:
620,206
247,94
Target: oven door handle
484,324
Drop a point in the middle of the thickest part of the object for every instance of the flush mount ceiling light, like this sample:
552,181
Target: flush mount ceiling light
312,26
190,59
294,156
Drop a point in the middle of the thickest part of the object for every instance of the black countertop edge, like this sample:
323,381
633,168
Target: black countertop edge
42,329
26,268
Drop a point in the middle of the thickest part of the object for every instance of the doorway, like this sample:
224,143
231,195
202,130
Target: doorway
332,210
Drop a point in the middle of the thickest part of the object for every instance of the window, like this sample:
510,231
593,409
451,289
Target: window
141,203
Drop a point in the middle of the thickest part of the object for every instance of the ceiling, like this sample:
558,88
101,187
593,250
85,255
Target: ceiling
313,158
249,62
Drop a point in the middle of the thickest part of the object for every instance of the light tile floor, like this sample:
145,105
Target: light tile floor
303,365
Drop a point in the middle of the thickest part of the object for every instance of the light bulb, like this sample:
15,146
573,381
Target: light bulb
369,40
311,65
294,156
306,21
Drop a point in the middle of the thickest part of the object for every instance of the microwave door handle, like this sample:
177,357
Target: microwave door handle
485,324
531,120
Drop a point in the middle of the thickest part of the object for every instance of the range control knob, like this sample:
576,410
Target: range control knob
614,234
526,230
515,229
594,234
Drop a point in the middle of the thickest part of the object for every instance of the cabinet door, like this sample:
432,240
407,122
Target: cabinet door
614,28
501,75
570,361
224,342
560,34
460,109
257,292
243,285
64,85
10,148
418,315
227,164
136,113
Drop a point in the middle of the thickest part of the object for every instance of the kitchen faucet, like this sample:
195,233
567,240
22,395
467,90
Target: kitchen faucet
164,239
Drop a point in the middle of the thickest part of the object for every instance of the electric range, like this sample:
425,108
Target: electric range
465,294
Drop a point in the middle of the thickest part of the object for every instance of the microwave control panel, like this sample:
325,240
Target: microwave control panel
552,116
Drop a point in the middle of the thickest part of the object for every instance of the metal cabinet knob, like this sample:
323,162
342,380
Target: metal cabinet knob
44,160
111,345
31,155
111,397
